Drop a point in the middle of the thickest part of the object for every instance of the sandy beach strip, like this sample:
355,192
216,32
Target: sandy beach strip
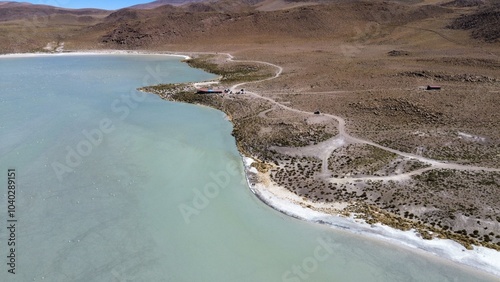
93,53
281,199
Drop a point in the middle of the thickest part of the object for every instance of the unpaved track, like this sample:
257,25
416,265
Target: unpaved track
323,152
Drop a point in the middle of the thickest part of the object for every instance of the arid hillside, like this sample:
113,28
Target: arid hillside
21,11
222,23
26,27
216,25
159,3
484,24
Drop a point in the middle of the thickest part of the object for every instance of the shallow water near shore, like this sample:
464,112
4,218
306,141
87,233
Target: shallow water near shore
118,185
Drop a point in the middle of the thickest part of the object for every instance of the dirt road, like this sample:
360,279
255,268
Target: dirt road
324,150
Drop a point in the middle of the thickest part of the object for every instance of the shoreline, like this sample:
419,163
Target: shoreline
91,53
483,260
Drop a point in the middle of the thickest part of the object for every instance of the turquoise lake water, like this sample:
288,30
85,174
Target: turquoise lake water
117,185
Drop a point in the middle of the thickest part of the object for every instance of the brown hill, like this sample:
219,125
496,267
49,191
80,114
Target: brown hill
484,24
464,3
26,27
10,11
217,24
159,3
222,22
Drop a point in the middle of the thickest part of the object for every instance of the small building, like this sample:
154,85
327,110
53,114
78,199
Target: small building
433,87
208,91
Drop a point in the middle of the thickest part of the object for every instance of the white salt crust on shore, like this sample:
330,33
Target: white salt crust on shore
283,200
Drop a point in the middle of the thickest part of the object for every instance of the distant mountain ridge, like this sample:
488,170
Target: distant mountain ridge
13,4
145,6
159,3
26,26
10,11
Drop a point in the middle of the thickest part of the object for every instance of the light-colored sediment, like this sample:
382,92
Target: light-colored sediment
91,53
283,200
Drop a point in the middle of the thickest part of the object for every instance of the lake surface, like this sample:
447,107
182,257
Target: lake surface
117,185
